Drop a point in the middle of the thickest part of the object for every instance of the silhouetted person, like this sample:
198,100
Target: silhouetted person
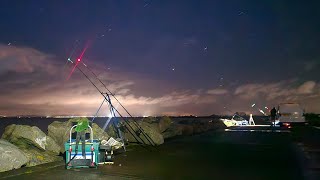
273,114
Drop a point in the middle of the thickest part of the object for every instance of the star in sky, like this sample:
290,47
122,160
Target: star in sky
145,41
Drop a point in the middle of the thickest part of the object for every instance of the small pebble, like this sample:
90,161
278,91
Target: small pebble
119,164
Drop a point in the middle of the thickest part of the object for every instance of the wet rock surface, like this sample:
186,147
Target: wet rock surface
59,132
11,157
99,133
36,156
172,131
37,147
150,136
164,123
23,135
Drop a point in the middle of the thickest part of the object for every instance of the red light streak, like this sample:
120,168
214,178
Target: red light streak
78,60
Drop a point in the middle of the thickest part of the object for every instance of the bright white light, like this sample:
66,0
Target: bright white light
262,112
110,115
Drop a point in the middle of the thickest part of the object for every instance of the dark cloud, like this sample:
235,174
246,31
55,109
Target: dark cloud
34,83
134,50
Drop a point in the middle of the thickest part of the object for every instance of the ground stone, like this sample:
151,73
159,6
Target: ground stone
11,157
164,123
151,135
24,136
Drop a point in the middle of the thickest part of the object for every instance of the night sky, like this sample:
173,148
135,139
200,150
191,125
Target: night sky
160,57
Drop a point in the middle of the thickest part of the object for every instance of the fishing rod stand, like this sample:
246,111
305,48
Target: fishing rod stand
115,122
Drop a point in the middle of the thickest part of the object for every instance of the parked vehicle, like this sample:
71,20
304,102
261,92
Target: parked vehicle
290,113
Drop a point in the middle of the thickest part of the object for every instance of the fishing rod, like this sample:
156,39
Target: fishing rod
76,66
113,95
260,110
75,45
126,121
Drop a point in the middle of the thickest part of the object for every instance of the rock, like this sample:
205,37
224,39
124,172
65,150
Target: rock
52,146
36,156
172,131
35,145
59,132
149,119
8,131
164,123
24,136
111,130
99,133
153,132
11,157
152,123
186,129
153,135
202,126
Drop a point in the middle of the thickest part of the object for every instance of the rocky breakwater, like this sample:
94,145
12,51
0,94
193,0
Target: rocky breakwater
198,125
144,131
23,145
35,145
159,129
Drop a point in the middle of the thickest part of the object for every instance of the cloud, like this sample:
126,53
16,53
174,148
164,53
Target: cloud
217,91
307,87
269,91
35,83
24,60
275,93
274,90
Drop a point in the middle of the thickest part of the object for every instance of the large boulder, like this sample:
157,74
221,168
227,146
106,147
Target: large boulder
99,133
52,146
164,123
24,136
172,131
152,131
35,145
11,157
186,129
111,130
149,119
151,135
60,132
203,125
36,156
152,123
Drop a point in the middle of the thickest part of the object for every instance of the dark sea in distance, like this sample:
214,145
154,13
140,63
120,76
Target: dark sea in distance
43,122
